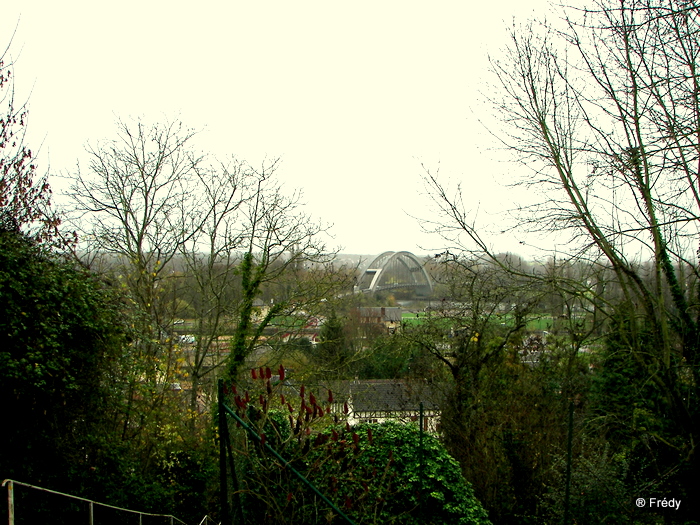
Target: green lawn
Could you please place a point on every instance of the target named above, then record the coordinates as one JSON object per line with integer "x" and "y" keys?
{"x": 534, "y": 324}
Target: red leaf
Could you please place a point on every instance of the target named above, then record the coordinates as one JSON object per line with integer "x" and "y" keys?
{"x": 289, "y": 497}
{"x": 268, "y": 372}
{"x": 330, "y": 396}
{"x": 345, "y": 408}
{"x": 369, "y": 435}
{"x": 282, "y": 401}
{"x": 312, "y": 398}
{"x": 281, "y": 373}
{"x": 253, "y": 374}
{"x": 262, "y": 439}
{"x": 301, "y": 391}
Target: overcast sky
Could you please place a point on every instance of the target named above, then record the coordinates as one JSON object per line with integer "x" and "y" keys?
{"x": 353, "y": 96}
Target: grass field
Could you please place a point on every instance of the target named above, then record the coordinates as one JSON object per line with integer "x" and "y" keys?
{"x": 534, "y": 324}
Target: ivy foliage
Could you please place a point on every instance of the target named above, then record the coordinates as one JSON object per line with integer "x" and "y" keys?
{"x": 388, "y": 473}
{"x": 372, "y": 472}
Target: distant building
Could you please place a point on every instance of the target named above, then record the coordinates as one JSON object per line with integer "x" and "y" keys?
{"x": 260, "y": 310}
{"x": 385, "y": 316}
{"x": 380, "y": 400}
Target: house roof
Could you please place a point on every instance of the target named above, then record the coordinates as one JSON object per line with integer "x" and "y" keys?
{"x": 386, "y": 395}
{"x": 385, "y": 313}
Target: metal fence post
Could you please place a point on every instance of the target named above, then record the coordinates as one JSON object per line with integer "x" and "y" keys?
{"x": 225, "y": 516}
{"x": 10, "y": 503}
{"x": 569, "y": 446}
{"x": 420, "y": 440}
{"x": 92, "y": 516}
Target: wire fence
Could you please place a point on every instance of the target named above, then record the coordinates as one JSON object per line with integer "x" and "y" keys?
{"x": 28, "y": 504}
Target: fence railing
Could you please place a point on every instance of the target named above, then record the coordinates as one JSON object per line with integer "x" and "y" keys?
{"x": 226, "y": 457}
{"x": 11, "y": 484}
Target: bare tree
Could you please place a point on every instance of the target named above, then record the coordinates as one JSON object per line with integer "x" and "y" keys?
{"x": 605, "y": 111}
{"x": 284, "y": 253}
{"x": 136, "y": 202}
{"x": 136, "y": 209}
{"x": 210, "y": 283}
{"x": 190, "y": 238}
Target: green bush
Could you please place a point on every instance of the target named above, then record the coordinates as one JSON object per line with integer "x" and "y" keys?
{"x": 379, "y": 473}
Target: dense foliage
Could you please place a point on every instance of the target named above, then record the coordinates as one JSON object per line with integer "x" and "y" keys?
{"x": 60, "y": 326}
{"x": 374, "y": 473}
{"x": 62, "y": 365}
{"x": 389, "y": 473}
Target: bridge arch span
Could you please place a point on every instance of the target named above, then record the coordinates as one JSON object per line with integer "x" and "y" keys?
{"x": 394, "y": 270}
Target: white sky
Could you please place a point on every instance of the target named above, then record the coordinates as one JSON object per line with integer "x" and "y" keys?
{"x": 353, "y": 96}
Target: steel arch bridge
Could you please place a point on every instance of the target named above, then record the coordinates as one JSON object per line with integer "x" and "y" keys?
{"x": 394, "y": 270}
